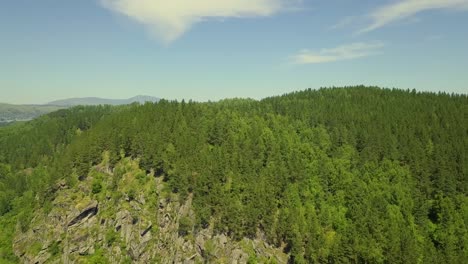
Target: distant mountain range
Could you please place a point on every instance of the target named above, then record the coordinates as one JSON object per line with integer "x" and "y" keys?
{"x": 103, "y": 101}
{"x": 10, "y": 112}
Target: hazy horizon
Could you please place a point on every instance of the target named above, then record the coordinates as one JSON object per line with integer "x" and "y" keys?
{"x": 208, "y": 99}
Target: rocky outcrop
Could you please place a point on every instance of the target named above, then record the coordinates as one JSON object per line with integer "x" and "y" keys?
{"x": 83, "y": 225}
{"x": 89, "y": 211}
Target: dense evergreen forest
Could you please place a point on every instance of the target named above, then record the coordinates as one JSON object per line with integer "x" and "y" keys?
{"x": 337, "y": 175}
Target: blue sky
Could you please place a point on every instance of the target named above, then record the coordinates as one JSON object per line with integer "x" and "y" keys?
{"x": 213, "y": 49}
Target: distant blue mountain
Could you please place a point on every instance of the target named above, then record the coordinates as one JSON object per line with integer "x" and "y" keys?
{"x": 103, "y": 101}
{"x": 11, "y": 113}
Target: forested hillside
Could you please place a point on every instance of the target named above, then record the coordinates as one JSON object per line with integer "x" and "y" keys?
{"x": 339, "y": 175}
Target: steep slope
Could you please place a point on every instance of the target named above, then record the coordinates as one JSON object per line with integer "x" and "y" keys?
{"x": 124, "y": 216}
{"x": 344, "y": 175}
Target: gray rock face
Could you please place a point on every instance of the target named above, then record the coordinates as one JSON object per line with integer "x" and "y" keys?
{"x": 88, "y": 212}
{"x": 83, "y": 225}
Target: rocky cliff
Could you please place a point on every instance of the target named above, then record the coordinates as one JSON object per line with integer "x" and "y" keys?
{"x": 125, "y": 215}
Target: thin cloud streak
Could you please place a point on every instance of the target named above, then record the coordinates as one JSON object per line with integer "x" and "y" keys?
{"x": 170, "y": 19}
{"x": 346, "y": 21}
{"x": 404, "y": 9}
{"x": 344, "y": 52}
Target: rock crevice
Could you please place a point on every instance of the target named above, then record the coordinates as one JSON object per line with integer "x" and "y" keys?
{"x": 90, "y": 211}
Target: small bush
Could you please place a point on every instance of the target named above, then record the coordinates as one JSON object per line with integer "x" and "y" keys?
{"x": 185, "y": 226}
{"x": 98, "y": 258}
{"x": 96, "y": 187}
{"x": 54, "y": 249}
{"x": 35, "y": 248}
{"x": 111, "y": 237}
{"x": 131, "y": 194}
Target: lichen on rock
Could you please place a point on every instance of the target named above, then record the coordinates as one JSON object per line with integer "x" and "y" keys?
{"x": 119, "y": 226}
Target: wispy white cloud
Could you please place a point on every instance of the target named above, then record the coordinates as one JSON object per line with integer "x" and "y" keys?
{"x": 344, "y": 52}
{"x": 169, "y": 19}
{"x": 344, "y": 22}
{"x": 407, "y": 8}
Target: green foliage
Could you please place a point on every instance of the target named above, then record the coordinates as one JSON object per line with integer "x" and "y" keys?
{"x": 23, "y": 207}
{"x": 209, "y": 253}
{"x": 185, "y": 226}
{"x": 341, "y": 175}
{"x": 98, "y": 257}
{"x": 54, "y": 249}
{"x": 111, "y": 237}
{"x": 96, "y": 186}
{"x": 131, "y": 194}
{"x": 35, "y": 248}
{"x": 7, "y": 229}
{"x": 252, "y": 260}
{"x": 127, "y": 260}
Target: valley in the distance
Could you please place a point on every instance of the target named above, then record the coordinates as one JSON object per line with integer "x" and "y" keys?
{"x": 18, "y": 113}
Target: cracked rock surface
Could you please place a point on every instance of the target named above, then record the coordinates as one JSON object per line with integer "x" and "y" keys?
{"x": 129, "y": 221}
